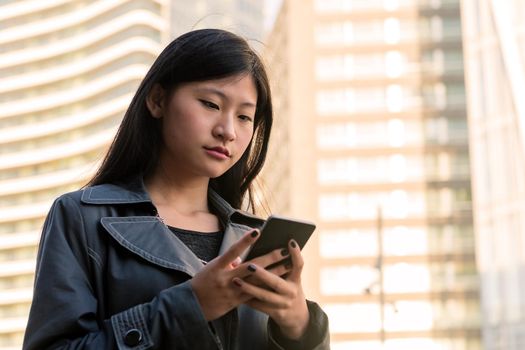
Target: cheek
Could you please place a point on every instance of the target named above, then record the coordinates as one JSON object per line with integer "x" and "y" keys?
{"x": 183, "y": 125}
{"x": 243, "y": 141}
{"x": 245, "y": 138}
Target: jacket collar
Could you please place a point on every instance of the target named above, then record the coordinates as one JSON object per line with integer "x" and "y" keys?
{"x": 148, "y": 237}
{"x": 130, "y": 192}
{"x": 134, "y": 192}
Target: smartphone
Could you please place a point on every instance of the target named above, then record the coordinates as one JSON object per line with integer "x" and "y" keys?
{"x": 277, "y": 232}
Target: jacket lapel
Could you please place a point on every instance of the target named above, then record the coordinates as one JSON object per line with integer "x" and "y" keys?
{"x": 150, "y": 239}
{"x": 232, "y": 233}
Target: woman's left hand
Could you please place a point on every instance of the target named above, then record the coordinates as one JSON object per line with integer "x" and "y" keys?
{"x": 280, "y": 298}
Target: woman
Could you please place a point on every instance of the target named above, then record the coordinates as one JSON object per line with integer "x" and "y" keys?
{"x": 148, "y": 255}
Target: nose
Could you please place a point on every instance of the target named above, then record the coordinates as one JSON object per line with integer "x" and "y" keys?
{"x": 225, "y": 128}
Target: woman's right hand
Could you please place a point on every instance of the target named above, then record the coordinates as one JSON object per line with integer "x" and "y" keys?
{"x": 213, "y": 284}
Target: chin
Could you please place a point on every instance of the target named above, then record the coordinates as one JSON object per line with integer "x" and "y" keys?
{"x": 216, "y": 173}
{"x": 213, "y": 171}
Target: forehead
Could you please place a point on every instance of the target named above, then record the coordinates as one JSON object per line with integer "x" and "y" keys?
{"x": 238, "y": 87}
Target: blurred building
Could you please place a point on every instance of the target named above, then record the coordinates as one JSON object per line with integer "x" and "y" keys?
{"x": 68, "y": 70}
{"x": 495, "y": 62}
{"x": 371, "y": 142}
{"x": 244, "y": 17}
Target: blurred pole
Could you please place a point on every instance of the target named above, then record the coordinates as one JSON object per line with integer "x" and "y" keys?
{"x": 380, "y": 270}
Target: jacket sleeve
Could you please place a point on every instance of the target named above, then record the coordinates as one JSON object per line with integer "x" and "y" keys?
{"x": 64, "y": 310}
{"x": 316, "y": 336}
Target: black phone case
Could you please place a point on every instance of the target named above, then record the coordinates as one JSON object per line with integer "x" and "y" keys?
{"x": 277, "y": 232}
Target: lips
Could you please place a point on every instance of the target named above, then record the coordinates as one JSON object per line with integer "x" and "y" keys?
{"x": 219, "y": 149}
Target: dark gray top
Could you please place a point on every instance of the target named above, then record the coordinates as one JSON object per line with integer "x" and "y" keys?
{"x": 205, "y": 245}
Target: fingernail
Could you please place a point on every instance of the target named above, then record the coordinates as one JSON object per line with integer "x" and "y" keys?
{"x": 285, "y": 252}
{"x": 254, "y": 233}
{"x": 237, "y": 282}
{"x": 252, "y": 268}
{"x": 293, "y": 244}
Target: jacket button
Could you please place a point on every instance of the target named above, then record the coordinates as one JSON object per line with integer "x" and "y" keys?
{"x": 132, "y": 337}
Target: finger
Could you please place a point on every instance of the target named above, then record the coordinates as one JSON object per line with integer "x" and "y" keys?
{"x": 267, "y": 280}
{"x": 262, "y": 306}
{"x": 297, "y": 261}
{"x": 236, "y": 262}
{"x": 268, "y": 297}
{"x": 238, "y": 248}
{"x": 242, "y": 297}
{"x": 281, "y": 269}
{"x": 275, "y": 257}
{"x": 271, "y": 258}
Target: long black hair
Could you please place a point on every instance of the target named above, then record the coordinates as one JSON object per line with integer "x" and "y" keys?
{"x": 199, "y": 55}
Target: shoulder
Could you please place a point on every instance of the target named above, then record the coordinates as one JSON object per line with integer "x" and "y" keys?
{"x": 88, "y": 195}
{"x": 78, "y": 213}
{"x": 68, "y": 200}
{"x": 114, "y": 194}
{"x": 97, "y": 196}
{"x": 108, "y": 194}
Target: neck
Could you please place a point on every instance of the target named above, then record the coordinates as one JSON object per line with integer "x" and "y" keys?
{"x": 185, "y": 195}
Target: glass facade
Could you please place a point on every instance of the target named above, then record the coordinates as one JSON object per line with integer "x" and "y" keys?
{"x": 495, "y": 61}
{"x": 68, "y": 70}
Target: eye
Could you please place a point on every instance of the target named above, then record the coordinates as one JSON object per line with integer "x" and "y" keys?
{"x": 209, "y": 104}
{"x": 245, "y": 118}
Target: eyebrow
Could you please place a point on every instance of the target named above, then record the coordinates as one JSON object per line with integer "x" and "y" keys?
{"x": 223, "y": 95}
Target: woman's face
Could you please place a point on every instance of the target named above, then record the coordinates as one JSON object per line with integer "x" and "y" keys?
{"x": 207, "y": 126}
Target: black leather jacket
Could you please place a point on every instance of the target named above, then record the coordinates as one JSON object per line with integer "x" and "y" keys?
{"x": 110, "y": 275}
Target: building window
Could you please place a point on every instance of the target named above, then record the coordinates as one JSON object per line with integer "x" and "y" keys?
{"x": 366, "y": 32}
{"x": 335, "y": 206}
{"x": 436, "y": 28}
{"x": 351, "y": 318}
{"x": 397, "y": 168}
{"x": 333, "y": 5}
{"x": 455, "y": 95}
{"x": 409, "y": 316}
{"x": 391, "y": 5}
{"x": 344, "y": 280}
{"x": 358, "y": 345}
{"x": 393, "y": 133}
{"x": 348, "y": 243}
{"x": 335, "y": 101}
{"x": 394, "y": 98}
{"x": 368, "y": 65}
{"x": 395, "y": 64}
{"x": 341, "y": 135}
{"x": 392, "y": 31}
{"x": 370, "y": 100}
{"x": 435, "y": 96}
{"x": 334, "y": 67}
{"x": 334, "y": 33}
{"x": 323, "y": 6}
{"x": 337, "y": 171}
{"x": 396, "y": 204}
{"x": 403, "y": 240}
{"x": 406, "y": 278}
{"x": 437, "y": 130}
